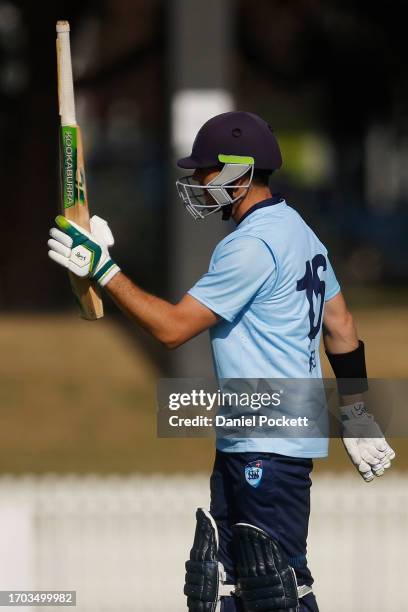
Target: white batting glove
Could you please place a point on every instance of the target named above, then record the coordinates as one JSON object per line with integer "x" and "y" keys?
{"x": 84, "y": 253}
{"x": 371, "y": 454}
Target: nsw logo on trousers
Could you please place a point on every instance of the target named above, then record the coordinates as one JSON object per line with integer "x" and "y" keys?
{"x": 253, "y": 473}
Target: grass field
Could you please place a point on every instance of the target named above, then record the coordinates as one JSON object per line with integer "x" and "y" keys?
{"x": 70, "y": 405}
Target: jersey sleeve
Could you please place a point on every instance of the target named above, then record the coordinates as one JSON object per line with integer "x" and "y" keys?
{"x": 239, "y": 269}
{"x": 332, "y": 284}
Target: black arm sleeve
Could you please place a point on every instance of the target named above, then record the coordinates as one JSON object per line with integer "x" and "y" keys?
{"x": 350, "y": 370}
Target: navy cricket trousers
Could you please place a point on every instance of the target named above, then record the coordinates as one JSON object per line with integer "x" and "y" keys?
{"x": 277, "y": 500}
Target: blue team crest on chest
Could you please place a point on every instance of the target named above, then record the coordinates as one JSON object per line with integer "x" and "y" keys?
{"x": 253, "y": 473}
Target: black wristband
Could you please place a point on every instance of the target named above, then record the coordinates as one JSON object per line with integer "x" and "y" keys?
{"x": 350, "y": 370}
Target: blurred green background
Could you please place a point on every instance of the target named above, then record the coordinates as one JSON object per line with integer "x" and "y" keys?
{"x": 74, "y": 406}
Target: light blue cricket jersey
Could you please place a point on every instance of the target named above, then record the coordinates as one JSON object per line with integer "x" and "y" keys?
{"x": 268, "y": 280}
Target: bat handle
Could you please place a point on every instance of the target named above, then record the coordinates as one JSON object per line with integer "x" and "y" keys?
{"x": 63, "y": 26}
{"x": 65, "y": 79}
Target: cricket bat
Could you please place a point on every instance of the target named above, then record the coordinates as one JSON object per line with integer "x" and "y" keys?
{"x": 73, "y": 188}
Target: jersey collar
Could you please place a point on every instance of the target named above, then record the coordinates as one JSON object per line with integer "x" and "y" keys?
{"x": 276, "y": 199}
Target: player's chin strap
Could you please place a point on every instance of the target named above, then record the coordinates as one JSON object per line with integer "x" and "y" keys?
{"x": 227, "y": 212}
{"x": 265, "y": 579}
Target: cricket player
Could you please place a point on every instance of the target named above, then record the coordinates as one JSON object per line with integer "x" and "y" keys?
{"x": 269, "y": 291}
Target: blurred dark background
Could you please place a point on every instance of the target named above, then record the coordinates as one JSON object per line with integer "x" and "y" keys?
{"x": 329, "y": 76}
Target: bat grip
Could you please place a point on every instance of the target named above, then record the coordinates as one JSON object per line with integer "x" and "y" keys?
{"x": 65, "y": 79}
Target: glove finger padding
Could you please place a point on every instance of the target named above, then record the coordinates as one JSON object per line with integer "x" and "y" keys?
{"x": 59, "y": 259}
{"x": 266, "y": 582}
{"x": 378, "y": 469}
{"x": 389, "y": 456}
{"x": 366, "y": 471}
{"x": 61, "y": 237}
{"x": 55, "y": 245}
{"x": 390, "y": 453}
{"x": 381, "y": 446}
{"x": 369, "y": 455}
{"x": 352, "y": 450}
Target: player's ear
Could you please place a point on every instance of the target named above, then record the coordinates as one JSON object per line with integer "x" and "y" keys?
{"x": 243, "y": 180}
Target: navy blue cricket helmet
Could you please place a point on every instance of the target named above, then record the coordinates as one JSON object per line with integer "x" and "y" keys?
{"x": 234, "y": 133}
{"x": 238, "y": 143}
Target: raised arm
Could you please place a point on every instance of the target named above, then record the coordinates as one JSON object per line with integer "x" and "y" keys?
{"x": 171, "y": 324}
{"x": 86, "y": 254}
